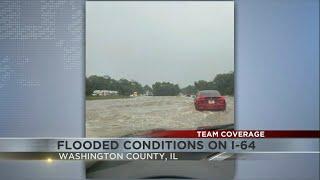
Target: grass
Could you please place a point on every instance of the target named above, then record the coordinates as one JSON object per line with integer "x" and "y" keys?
{"x": 105, "y": 97}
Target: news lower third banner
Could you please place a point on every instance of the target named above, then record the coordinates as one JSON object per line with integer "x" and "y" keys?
{"x": 172, "y": 145}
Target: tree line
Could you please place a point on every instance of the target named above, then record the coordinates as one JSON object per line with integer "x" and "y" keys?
{"x": 224, "y": 83}
{"x": 123, "y": 86}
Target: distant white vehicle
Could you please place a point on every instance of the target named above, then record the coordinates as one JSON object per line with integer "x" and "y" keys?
{"x": 104, "y": 93}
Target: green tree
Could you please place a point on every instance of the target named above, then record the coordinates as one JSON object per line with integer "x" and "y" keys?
{"x": 189, "y": 90}
{"x": 165, "y": 89}
{"x": 201, "y": 85}
{"x": 147, "y": 88}
{"x": 224, "y": 83}
{"x": 89, "y": 87}
{"x": 127, "y": 87}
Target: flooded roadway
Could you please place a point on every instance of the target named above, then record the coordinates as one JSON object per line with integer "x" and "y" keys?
{"x": 119, "y": 117}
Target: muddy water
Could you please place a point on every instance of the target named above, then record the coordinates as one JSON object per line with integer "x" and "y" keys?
{"x": 118, "y": 117}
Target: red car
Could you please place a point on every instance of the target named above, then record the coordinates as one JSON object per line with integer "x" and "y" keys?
{"x": 210, "y": 100}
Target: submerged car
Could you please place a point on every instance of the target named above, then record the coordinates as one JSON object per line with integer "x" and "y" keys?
{"x": 210, "y": 100}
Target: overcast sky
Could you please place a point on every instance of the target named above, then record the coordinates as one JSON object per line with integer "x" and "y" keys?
{"x": 179, "y": 42}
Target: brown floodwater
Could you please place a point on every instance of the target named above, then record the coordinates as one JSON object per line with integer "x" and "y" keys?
{"x": 119, "y": 117}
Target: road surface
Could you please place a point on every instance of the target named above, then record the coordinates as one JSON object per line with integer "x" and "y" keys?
{"x": 119, "y": 117}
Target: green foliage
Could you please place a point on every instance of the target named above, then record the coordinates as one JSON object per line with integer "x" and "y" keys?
{"x": 89, "y": 87}
{"x": 189, "y": 90}
{"x": 203, "y": 85}
{"x": 165, "y": 89}
{"x": 147, "y": 88}
{"x": 224, "y": 83}
{"x": 123, "y": 86}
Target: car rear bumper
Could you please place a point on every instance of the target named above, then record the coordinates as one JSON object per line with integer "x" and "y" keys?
{"x": 210, "y": 107}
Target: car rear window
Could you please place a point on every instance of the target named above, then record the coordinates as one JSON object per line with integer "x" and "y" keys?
{"x": 210, "y": 93}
